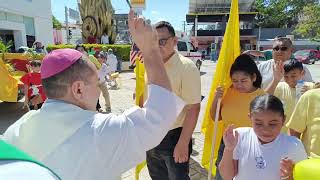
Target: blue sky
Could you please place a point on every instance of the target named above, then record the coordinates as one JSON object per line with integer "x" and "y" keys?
{"x": 173, "y": 11}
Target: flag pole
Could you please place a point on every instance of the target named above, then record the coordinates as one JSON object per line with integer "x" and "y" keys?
{"x": 216, "y": 119}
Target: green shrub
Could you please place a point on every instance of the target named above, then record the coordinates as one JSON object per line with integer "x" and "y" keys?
{"x": 61, "y": 46}
{"x": 122, "y": 51}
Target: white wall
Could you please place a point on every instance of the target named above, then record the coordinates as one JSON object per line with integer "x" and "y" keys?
{"x": 19, "y": 38}
{"x": 40, "y": 10}
{"x": 44, "y": 31}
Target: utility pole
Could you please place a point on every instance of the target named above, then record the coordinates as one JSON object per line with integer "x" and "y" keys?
{"x": 259, "y": 38}
{"x": 184, "y": 26}
{"x": 67, "y": 24}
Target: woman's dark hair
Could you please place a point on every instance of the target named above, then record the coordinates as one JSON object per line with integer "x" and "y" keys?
{"x": 267, "y": 102}
{"x": 244, "y": 63}
{"x": 80, "y": 46}
{"x": 35, "y": 63}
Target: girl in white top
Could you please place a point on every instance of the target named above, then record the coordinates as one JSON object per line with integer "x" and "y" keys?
{"x": 261, "y": 152}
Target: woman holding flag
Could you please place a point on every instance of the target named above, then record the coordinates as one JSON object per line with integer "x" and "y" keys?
{"x": 246, "y": 85}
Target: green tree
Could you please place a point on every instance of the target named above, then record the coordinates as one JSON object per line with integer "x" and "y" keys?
{"x": 4, "y": 48}
{"x": 309, "y": 23}
{"x": 55, "y": 23}
{"x": 280, "y": 13}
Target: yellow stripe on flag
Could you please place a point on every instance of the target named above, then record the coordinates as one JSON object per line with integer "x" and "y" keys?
{"x": 8, "y": 85}
{"x": 140, "y": 85}
{"x": 139, "y": 168}
{"x": 230, "y": 50}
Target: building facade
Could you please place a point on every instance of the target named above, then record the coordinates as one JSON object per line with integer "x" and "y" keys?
{"x": 209, "y": 20}
{"x": 26, "y": 21}
{"x": 120, "y": 21}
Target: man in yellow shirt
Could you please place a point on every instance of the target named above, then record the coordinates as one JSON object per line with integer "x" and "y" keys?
{"x": 170, "y": 159}
{"x": 286, "y": 91}
{"x": 305, "y": 120}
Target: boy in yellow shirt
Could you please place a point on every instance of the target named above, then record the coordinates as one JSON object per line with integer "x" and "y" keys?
{"x": 286, "y": 91}
{"x": 305, "y": 120}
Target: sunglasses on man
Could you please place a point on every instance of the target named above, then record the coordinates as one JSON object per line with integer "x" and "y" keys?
{"x": 277, "y": 48}
{"x": 163, "y": 41}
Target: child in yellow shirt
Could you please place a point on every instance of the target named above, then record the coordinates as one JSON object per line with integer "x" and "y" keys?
{"x": 246, "y": 85}
{"x": 286, "y": 91}
{"x": 305, "y": 120}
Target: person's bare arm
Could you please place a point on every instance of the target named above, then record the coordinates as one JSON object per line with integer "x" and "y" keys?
{"x": 181, "y": 151}
{"x": 149, "y": 46}
{"x": 26, "y": 98}
{"x": 278, "y": 73}
{"x": 228, "y": 167}
{"x": 272, "y": 87}
{"x": 218, "y": 95}
{"x": 294, "y": 133}
{"x": 286, "y": 169}
{"x": 254, "y": 53}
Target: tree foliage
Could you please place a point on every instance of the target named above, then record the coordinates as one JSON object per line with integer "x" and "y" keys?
{"x": 280, "y": 13}
{"x": 55, "y": 23}
{"x": 5, "y": 47}
{"x": 309, "y": 24}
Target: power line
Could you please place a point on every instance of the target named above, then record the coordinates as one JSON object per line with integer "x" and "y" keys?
{"x": 129, "y": 4}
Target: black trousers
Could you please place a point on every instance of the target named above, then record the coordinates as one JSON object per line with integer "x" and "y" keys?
{"x": 160, "y": 160}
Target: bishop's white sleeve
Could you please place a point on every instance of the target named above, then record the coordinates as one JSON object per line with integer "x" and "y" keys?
{"x": 128, "y": 136}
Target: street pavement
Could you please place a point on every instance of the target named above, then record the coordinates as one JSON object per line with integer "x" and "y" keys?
{"x": 122, "y": 99}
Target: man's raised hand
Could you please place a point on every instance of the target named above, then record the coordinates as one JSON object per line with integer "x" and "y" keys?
{"x": 143, "y": 34}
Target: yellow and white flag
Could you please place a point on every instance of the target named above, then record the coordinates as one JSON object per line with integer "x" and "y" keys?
{"x": 8, "y": 85}
{"x": 230, "y": 50}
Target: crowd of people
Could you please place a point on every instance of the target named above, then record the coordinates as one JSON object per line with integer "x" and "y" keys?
{"x": 269, "y": 125}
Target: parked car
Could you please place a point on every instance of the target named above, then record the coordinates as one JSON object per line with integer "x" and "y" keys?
{"x": 317, "y": 53}
{"x": 186, "y": 48}
{"x": 306, "y": 56}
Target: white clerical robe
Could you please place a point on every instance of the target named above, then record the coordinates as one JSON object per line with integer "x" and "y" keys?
{"x": 17, "y": 170}
{"x": 78, "y": 144}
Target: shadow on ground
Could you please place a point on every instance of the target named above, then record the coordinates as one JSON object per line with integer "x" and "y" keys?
{"x": 9, "y": 113}
{"x": 196, "y": 171}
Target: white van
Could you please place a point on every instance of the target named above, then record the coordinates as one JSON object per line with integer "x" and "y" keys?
{"x": 187, "y": 49}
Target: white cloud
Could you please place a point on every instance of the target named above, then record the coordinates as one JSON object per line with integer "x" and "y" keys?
{"x": 162, "y": 19}
{"x": 154, "y": 12}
